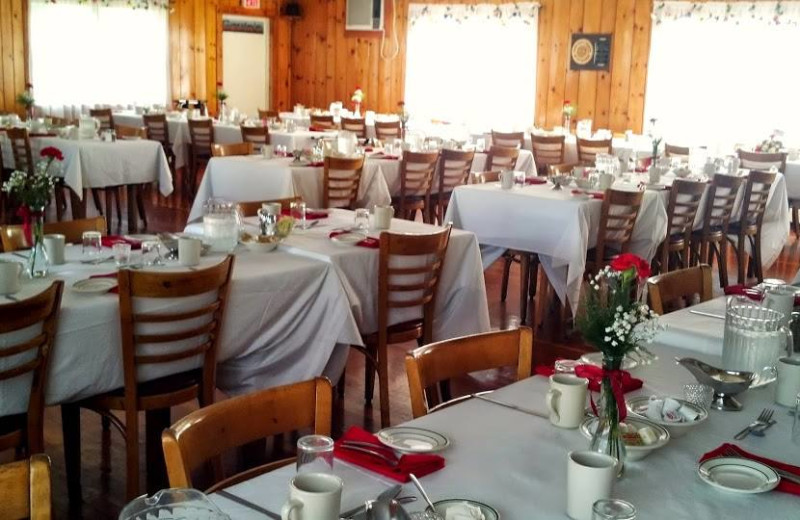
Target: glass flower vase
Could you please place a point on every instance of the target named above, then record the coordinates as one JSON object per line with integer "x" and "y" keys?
{"x": 607, "y": 437}
{"x": 37, "y": 259}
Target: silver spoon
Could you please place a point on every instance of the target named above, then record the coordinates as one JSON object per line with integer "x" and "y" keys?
{"x": 434, "y": 514}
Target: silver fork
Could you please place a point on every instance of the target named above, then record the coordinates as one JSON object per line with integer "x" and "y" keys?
{"x": 730, "y": 452}
{"x": 762, "y": 419}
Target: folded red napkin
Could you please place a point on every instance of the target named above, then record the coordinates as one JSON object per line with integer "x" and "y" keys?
{"x": 381, "y": 155}
{"x": 310, "y": 213}
{"x": 535, "y": 180}
{"x": 313, "y": 128}
{"x": 115, "y": 290}
{"x": 595, "y": 375}
{"x": 110, "y": 240}
{"x": 744, "y": 290}
{"x": 368, "y": 148}
{"x": 317, "y": 164}
{"x": 785, "y": 485}
{"x": 594, "y": 195}
{"x": 369, "y": 242}
{"x": 418, "y": 464}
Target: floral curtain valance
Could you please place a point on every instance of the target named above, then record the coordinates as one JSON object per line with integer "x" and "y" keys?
{"x": 133, "y": 4}
{"x": 525, "y": 12}
{"x": 774, "y": 13}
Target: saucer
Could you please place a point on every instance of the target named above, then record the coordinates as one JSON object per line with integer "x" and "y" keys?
{"x": 407, "y": 439}
{"x": 738, "y": 475}
{"x": 94, "y": 285}
{"x": 596, "y": 359}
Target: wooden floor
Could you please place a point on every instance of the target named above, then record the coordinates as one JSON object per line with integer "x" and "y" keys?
{"x": 104, "y": 489}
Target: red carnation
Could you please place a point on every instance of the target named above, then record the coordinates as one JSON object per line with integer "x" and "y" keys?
{"x": 625, "y": 261}
{"x": 566, "y": 102}
{"x": 51, "y": 152}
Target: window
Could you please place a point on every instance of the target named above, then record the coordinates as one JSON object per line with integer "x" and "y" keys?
{"x": 722, "y": 74}
{"x": 107, "y": 53}
{"x": 472, "y": 64}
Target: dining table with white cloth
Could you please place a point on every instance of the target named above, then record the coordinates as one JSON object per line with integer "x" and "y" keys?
{"x": 287, "y": 319}
{"x": 517, "y": 463}
{"x": 792, "y": 174}
{"x": 177, "y": 133}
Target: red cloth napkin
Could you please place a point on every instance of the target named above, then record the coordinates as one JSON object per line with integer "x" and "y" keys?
{"x": 110, "y": 240}
{"x": 310, "y": 214}
{"x": 418, "y": 464}
{"x": 381, "y": 155}
{"x": 785, "y": 485}
{"x": 744, "y": 290}
{"x": 595, "y": 375}
{"x": 368, "y": 148}
{"x": 369, "y": 242}
{"x": 594, "y": 195}
{"x": 316, "y": 164}
{"x": 115, "y": 290}
{"x": 535, "y": 180}
{"x": 313, "y": 128}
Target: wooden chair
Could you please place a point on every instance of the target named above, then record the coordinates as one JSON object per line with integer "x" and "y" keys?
{"x": 547, "y": 150}
{"x": 501, "y": 158}
{"x": 589, "y": 148}
{"x": 205, "y": 434}
{"x": 21, "y": 149}
{"x": 679, "y": 289}
{"x": 508, "y": 139}
{"x": 26, "y": 489}
{"x": 341, "y": 180}
{"x": 484, "y": 177}
{"x": 561, "y": 169}
{"x": 24, "y": 432}
{"x": 127, "y": 133}
{"x": 323, "y": 122}
{"x": 617, "y": 219}
{"x": 158, "y": 130}
{"x": 709, "y": 241}
{"x": 201, "y": 137}
{"x": 402, "y": 288}
{"x": 182, "y": 342}
{"x": 250, "y": 209}
{"x": 268, "y": 114}
{"x": 416, "y": 178}
{"x": 430, "y": 368}
{"x": 454, "y": 169}
{"x": 356, "y": 125}
{"x": 231, "y": 150}
{"x": 762, "y": 161}
{"x": 747, "y": 229}
{"x": 388, "y": 130}
{"x": 105, "y": 117}
{"x": 684, "y": 202}
{"x": 257, "y": 135}
{"x": 14, "y": 239}
{"x": 671, "y": 150}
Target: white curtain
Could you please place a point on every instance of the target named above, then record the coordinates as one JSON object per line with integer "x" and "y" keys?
{"x": 87, "y": 54}
{"x": 722, "y": 74}
{"x": 473, "y": 65}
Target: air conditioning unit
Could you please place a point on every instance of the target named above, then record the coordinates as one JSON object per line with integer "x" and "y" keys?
{"x": 364, "y": 15}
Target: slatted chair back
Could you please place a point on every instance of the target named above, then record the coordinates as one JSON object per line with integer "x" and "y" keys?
{"x": 754, "y": 200}
{"x": 547, "y": 150}
{"x": 431, "y": 365}
{"x": 682, "y": 208}
{"x": 231, "y": 150}
{"x": 104, "y": 116}
{"x": 508, "y": 139}
{"x": 201, "y": 135}
{"x": 13, "y": 237}
{"x": 387, "y": 130}
{"x": 25, "y": 489}
{"x": 157, "y": 128}
{"x": 762, "y": 161}
{"x": 206, "y": 434}
{"x": 25, "y": 355}
{"x": 324, "y": 122}
{"x": 268, "y": 114}
{"x": 719, "y": 204}
{"x": 21, "y": 149}
{"x": 127, "y": 133}
{"x": 454, "y": 169}
{"x": 501, "y": 158}
{"x": 356, "y": 125}
{"x": 589, "y": 148}
{"x": 250, "y": 209}
{"x": 679, "y": 289}
{"x": 561, "y": 169}
{"x": 258, "y": 135}
{"x": 341, "y": 181}
{"x": 617, "y": 219}
{"x": 681, "y": 152}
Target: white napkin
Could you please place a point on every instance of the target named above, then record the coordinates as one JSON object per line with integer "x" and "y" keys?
{"x": 669, "y": 410}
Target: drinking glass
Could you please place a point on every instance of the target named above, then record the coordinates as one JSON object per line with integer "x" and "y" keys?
{"x": 298, "y": 211}
{"x": 698, "y": 394}
{"x": 315, "y": 454}
{"x": 796, "y": 424}
{"x": 151, "y": 253}
{"x": 122, "y": 253}
{"x": 92, "y": 245}
{"x": 361, "y": 219}
{"x": 566, "y": 366}
{"x": 613, "y": 509}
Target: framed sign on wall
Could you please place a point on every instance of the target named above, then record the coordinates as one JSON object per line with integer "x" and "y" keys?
{"x": 590, "y": 52}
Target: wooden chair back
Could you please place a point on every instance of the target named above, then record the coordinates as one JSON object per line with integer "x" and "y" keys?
{"x": 157, "y": 128}
{"x": 501, "y": 158}
{"x": 250, "y": 209}
{"x": 684, "y": 202}
{"x": 125, "y": 132}
{"x": 324, "y": 122}
{"x": 26, "y": 489}
{"x": 356, "y": 125}
{"x": 341, "y": 181}
{"x": 104, "y": 116}
{"x": 617, "y": 219}
{"x": 13, "y": 238}
{"x": 268, "y": 114}
{"x": 589, "y": 148}
{"x": 21, "y": 149}
{"x": 258, "y": 135}
{"x": 230, "y": 150}
{"x": 387, "y": 130}
{"x": 671, "y": 150}
{"x": 547, "y": 150}
{"x": 29, "y": 358}
{"x": 429, "y": 366}
{"x": 719, "y": 205}
{"x": 201, "y": 135}
{"x": 150, "y": 338}
{"x": 754, "y": 200}
{"x": 679, "y": 289}
{"x": 484, "y": 177}
{"x": 508, "y": 139}
{"x": 454, "y": 169}
{"x": 207, "y": 433}
{"x": 762, "y": 161}
{"x": 561, "y": 169}
{"x": 416, "y": 173}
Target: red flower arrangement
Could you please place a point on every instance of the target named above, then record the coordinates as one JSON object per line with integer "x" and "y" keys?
{"x": 625, "y": 261}
{"x": 51, "y": 152}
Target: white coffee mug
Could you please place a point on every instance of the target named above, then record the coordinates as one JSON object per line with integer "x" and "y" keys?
{"x": 788, "y": 385}
{"x": 781, "y": 298}
{"x": 605, "y": 181}
{"x": 590, "y": 477}
{"x": 507, "y": 179}
{"x": 566, "y": 400}
{"x": 10, "y": 272}
{"x": 382, "y": 217}
{"x": 54, "y": 247}
{"x": 189, "y": 251}
{"x": 267, "y": 151}
{"x": 313, "y": 496}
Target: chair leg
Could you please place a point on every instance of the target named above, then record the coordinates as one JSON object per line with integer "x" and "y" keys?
{"x": 524, "y": 274}
{"x": 507, "y": 257}
{"x": 61, "y": 202}
{"x": 109, "y": 194}
{"x": 156, "y": 421}
{"x": 133, "y": 217}
{"x": 369, "y": 378}
{"x": 131, "y": 454}
{"x": 71, "y": 430}
{"x": 140, "y": 193}
{"x": 741, "y": 260}
{"x": 759, "y": 266}
{"x": 383, "y": 386}
{"x": 97, "y": 203}
{"x": 722, "y": 262}
{"x": 118, "y": 200}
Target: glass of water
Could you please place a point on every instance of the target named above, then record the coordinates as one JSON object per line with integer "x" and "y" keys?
{"x": 613, "y": 509}
{"x": 698, "y": 394}
{"x": 315, "y": 454}
{"x": 361, "y": 220}
{"x": 796, "y": 425}
{"x": 122, "y": 253}
{"x": 92, "y": 245}
{"x": 298, "y": 211}
{"x": 151, "y": 253}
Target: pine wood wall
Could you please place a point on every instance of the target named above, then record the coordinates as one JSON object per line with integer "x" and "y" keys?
{"x": 13, "y": 45}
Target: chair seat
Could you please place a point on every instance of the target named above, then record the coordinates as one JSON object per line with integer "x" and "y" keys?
{"x": 751, "y": 228}
{"x": 399, "y": 332}
{"x": 11, "y": 429}
{"x": 714, "y": 234}
{"x": 153, "y": 395}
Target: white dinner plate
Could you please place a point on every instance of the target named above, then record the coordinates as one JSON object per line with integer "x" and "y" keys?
{"x": 738, "y": 475}
{"x": 94, "y": 285}
{"x": 406, "y": 439}
{"x": 489, "y": 513}
{"x": 348, "y": 239}
{"x": 141, "y": 237}
{"x": 596, "y": 359}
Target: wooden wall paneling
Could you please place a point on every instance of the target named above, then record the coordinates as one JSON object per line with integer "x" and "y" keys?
{"x": 587, "y": 82}
{"x": 198, "y": 48}
{"x": 603, "y": 89}
{"x": 331, "y": 43}
{"x": 19, "y": 20}
{"x": 7, "y": 58}
{"x": 341, "y": 55}
{"x": 640, "y": 53}
{"x": 543, "y": 56}
{"x": 572, "y": 81}
{"x": 559, "y": 49}
{"x": 281, "y": 74}
{"x": 621, "y": 75}
{"x": 185, "y": 11}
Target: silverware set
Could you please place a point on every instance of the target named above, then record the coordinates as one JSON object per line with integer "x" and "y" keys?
{"x": 761, "y": 423}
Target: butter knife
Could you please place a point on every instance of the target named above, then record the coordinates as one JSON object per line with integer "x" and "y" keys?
{"x": 385, "y": 495}
{"x": 511, "y": 406}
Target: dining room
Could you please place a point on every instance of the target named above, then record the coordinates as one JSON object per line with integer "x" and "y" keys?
{"x": 399, "y": 259}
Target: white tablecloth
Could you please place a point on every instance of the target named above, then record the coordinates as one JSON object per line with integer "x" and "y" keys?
{"x": 178, "y": 133}
{"x": 297, "y": 140}
{"x": 517, "y": 463}
{"x": 793, "y": 179}
{"x": 285, "y": 316}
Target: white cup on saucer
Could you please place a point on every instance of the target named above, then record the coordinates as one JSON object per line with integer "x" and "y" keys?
{"x": 788, "y": 382}
{"x": 566, "y": 400}
{"x": 189, "y": 251}
{"x": 507, "y": 179}
{"x": 382, "y": 217}
{"x": 54, "y": 245}
{"x": 10, "y": 272}
{"x": 313, "y": 496}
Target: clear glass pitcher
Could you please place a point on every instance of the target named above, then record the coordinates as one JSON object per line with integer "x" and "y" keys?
{"x": 221, "y": 225}
{"x": 755, "y": 337}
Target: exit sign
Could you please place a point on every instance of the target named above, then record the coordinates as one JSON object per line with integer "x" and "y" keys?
{"x": 251, "y": 4}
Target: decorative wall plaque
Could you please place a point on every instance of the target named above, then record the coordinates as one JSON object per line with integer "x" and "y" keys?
{"x": 590, "y": 52}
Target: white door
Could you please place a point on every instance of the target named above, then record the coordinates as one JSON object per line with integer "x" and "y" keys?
{"x": 245, "y": 63}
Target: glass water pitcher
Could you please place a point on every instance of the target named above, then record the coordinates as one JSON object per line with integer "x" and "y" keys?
{"x": 221, "y": 225}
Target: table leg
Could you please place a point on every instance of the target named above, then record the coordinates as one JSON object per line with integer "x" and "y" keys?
{"x": 133, "y": 214}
